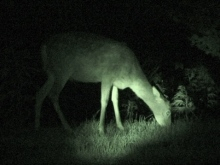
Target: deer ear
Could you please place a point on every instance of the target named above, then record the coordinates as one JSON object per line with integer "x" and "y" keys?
{"x": 157, "y": 95}
{"x": 156, "y": 92}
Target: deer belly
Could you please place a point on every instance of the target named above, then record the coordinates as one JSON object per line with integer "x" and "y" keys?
{"x": 121, "y": 83}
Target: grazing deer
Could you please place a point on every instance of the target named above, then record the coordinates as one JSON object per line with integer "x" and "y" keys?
{"x": 90, "y": 58}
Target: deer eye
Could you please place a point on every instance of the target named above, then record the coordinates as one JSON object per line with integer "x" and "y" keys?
{"x": 168, "y": 113}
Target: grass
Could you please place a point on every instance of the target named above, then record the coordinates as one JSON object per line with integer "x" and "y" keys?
{"x": 186, "y": 142}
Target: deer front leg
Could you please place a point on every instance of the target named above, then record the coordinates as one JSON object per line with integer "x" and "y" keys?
{"x": 105, "y": 90}
{"x": 116, "y": 109}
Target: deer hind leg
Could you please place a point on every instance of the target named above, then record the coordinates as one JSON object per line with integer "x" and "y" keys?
{"x": 116, "y": 109}
{"x": 105, "y": 91}
{"x": 40, "y": 96}
{"x": 54, "y": 97}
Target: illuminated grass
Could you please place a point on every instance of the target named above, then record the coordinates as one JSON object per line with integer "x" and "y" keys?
{"x": 142, "y": 142}
{"x": 139, "y": 138}
{"x": 89, "y": 146}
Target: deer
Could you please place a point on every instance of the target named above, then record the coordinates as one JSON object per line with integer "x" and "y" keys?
{"x": 90, "y": 58}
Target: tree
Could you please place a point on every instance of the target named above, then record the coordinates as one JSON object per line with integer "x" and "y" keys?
{"x": 203, "y": 20}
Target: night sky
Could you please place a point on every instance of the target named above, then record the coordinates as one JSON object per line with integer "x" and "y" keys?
{"x": 143, "y": 26}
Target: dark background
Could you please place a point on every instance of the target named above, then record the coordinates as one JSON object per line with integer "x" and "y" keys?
{"x": 144, "y": 25}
